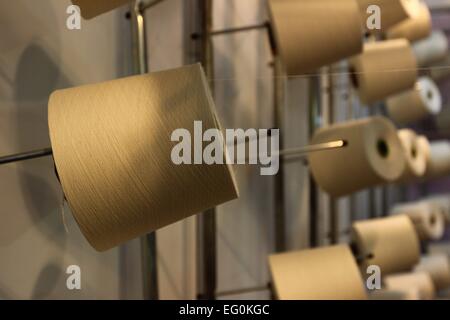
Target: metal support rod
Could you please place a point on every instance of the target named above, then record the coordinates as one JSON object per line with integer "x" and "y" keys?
{"x": 372, "y": 192}
{"x": 327, "y": 106}
{"x": 207, "y": 224}
{"x": 139, "y": 40}
{"x": 288, "y": 153}
{"x": 313, "y": 148}
{"x": 264, "y": 25}
{"x": 278, "y": 101}
{"x": 26, "y": 156}
{"x": 385, "y": 201}
{"x": 350, "y": 116}
{"x": 313, "y": 113}
{"x": 148, "y": 242}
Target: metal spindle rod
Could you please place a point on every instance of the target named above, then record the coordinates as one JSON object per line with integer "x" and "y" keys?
{"x": 264, "y": 25}
{"x": 313, "y": 114}
{"x": 289, "y": 153}
{"x": 207, "y": 222}
{"x": 26, "y": 156}
{"x": 299, "y": 152}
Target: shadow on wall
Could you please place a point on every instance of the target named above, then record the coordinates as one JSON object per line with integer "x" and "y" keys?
{"x": 32, "y": 74}
{"x": 37, "y": 76}
{"x": 47, "y": 281}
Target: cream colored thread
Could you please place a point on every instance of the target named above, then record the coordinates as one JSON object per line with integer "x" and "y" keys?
{"x": 111, "y": 144}
{"x": 336, "y": 39}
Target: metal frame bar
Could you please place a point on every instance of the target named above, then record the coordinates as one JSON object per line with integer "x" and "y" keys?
{"x": 313, "y": 114}
{"x": 280, "y": 208}
{"x": 26, "y": 156}
{"x": 286, "y": 153}
{"x": 264, "y": 25}
{"x": 206, "y": 222}
{"x": 148, "y": 243}
{"x": 328, "y": 95}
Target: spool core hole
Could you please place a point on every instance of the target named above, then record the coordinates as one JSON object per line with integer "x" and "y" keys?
{"x": 429, "y": 95}
{"x": 383, "y": 148}
{"x": 433, "y": 219}
{"x": 414, "y": 152}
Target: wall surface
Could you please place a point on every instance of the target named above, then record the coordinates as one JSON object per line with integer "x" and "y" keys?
{"x": 38, "y": 239}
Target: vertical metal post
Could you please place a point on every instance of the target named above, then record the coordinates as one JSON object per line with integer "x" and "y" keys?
{"x": 278, "y": 101}
{"x": 313, "y": 114}
{"x": 373, "y": 212}
{"x": 148, "y": 242}
{"x": 372, "y": 203}
{"x": 206, "y": 222}
{"x": 139, "y": 39}
{"x": 209, "y": 217}
{"x": 350, "y": 116}
{"x": 328, "y": 102}
{"x": 385, "y": 201}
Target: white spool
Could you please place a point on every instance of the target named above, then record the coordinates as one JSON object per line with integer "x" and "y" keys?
{"x": 427, "y": 218}
{"x": 438, "y": 163}
{"x": 373, "y": 156}
{"x": 383, "y": 69}
{"x": 440, "y": 71}
{"x": 328, "y": 273}
{"x": 390, "y": 243}
{"x": 112, "y": 148}
{"x": 417, "y": 27}
{"x": 422, "y": 101}
{"x": 419, "y": 280}
{"x": 415, "y": 155}
{"x": 308, "y": 39}
{"x": 432, "y": 49}
{"x": 438, "y": 267}
{"x": 443, "y": 202}
{"x": 403, "y": 294}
